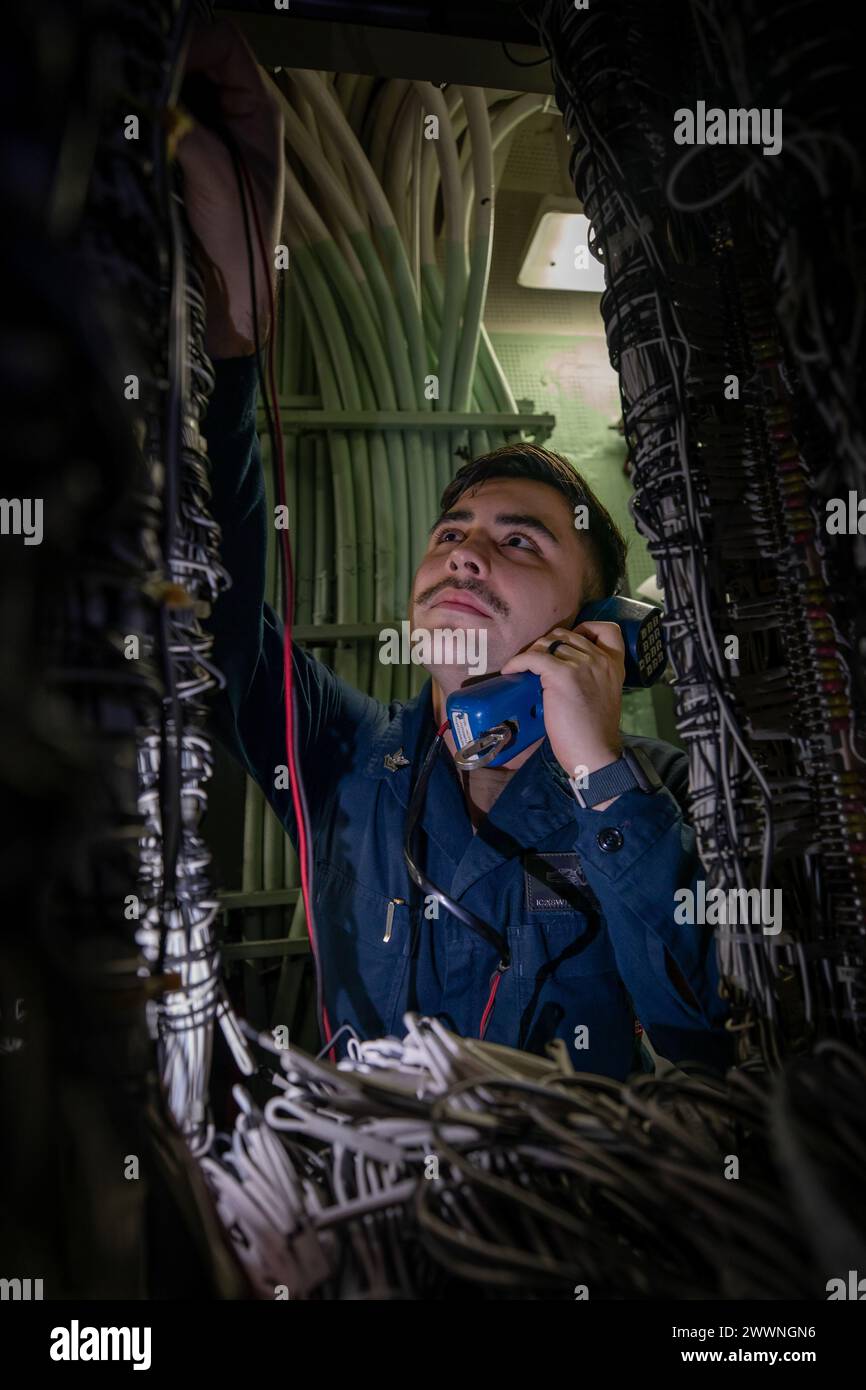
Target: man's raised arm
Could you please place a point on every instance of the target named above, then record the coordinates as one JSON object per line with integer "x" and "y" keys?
{"x": 249, "y": 713}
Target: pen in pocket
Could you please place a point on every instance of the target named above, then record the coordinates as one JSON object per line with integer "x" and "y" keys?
{"x": 389, "y": 916}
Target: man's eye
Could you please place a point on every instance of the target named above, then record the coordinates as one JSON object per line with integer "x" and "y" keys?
{"x": 519, "y": 536}
{"x": 516, "y": 541}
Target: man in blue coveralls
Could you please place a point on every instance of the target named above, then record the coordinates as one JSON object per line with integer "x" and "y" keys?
{"x": 583, "y": 895}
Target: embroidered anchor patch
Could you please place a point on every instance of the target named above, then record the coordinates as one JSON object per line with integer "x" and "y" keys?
{"x": 394, "y": 761}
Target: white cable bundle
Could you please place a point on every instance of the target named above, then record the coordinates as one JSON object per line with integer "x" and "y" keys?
{"x": 357, "y": 1156}
{"x": 184, "y": 1016}
{"x": 261, "y": 1205}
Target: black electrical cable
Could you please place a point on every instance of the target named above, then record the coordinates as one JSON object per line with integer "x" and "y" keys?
{"x": 231, "y": 144}
{"x": 416, "y": 801}
{"x": 517, "y": 62}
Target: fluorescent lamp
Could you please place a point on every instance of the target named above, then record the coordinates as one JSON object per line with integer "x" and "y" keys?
{"x": 557, "y": 256}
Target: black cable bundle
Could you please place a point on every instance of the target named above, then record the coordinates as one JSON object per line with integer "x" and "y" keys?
{"x": 85, "y": 253}
{"x": 723, "y": 493}
{"x": 809, "y": 204}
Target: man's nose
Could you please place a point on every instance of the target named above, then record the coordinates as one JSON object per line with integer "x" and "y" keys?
{"x": 468, "y": 558}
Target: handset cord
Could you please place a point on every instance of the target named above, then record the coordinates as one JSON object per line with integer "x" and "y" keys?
{"x": 475, "y": 924}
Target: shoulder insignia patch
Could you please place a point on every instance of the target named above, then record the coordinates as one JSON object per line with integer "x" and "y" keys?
{"x": 394, "y": 761}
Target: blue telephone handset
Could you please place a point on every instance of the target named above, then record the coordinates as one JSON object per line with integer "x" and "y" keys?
{"x": 494, "y": 720}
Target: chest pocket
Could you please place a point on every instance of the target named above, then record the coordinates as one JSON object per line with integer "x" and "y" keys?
{"x": 565, "y": 933}
{"x": 364, "y": 950}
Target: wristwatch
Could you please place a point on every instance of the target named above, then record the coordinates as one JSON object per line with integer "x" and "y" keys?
{"x": 632, "y": 769}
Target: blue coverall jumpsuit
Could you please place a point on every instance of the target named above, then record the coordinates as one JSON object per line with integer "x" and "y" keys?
{"x": 589, "y": 927}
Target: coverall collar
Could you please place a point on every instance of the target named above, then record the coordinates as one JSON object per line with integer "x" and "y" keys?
{"x": 536, "y": 801}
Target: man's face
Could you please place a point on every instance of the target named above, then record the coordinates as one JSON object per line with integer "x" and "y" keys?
{"x": 506, "y": 561}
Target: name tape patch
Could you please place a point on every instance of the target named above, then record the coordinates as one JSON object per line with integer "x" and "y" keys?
{"x": 556, "y": 883}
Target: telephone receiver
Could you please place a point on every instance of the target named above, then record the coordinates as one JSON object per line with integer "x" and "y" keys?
{"x": 494, "y": 720}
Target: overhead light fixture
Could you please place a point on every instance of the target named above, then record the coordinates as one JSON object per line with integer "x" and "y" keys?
{"x": 557, "y": 255}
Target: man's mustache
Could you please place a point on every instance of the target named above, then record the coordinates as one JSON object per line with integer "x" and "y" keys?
{"x": 471, "y": 586}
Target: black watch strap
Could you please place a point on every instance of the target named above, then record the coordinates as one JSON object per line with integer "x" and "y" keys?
{"x": 632, "y": 769}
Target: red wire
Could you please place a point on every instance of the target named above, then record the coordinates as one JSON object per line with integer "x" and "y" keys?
{"x": 488, "y": 1008}
{"x": 289, "y": 578}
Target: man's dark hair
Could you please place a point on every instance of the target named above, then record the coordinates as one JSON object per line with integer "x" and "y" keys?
{"x": 541, "y": 465}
